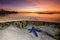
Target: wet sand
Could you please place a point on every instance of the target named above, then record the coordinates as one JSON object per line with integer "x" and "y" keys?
{"x": 14, "y": 33}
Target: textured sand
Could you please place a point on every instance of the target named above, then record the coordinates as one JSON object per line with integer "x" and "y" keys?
{"x": 14, "y": 33}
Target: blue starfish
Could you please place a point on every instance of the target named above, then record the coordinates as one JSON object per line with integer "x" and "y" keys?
{"x": 34, "y": 31}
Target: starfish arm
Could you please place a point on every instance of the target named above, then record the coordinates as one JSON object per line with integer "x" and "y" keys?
{"x": 30, "y": 30}
{"x": 38, "y": 30}
{"x": 34, "y": 32}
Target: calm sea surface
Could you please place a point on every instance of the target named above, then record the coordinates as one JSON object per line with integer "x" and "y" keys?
{"x": 31, "y": 17}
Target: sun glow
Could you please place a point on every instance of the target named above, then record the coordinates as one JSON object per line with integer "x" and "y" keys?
{"x": 34, "y": 10}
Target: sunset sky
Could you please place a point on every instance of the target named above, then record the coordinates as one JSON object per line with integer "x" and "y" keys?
{"x": 30, "y": 5}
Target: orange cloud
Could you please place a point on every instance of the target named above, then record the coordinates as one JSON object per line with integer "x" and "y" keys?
{"x": 34, "y": 5}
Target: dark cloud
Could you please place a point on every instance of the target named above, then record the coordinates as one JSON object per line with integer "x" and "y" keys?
{"x": 30, "y": 4}
{"x": 5, "y": 2}
{"x": 12, "y": 1}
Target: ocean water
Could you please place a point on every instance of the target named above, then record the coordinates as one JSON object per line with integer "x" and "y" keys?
{"x": 31, "y": 17}
{"x": 13, "y": 32}
{"x": 17, "y": 31}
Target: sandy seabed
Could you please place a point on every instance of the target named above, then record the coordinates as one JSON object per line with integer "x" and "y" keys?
{"x": 14, "y": 33}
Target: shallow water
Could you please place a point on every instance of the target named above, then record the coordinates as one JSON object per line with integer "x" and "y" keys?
{"x": 31, "y": 17}
{"x": 18, "y": 30}
{"x": 14, "y": 33}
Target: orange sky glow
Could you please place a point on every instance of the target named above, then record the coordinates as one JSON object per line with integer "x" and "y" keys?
{"x": 31, "y": 5}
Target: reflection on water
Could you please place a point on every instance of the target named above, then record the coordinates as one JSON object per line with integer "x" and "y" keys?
{"x": 33, "y": 17}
